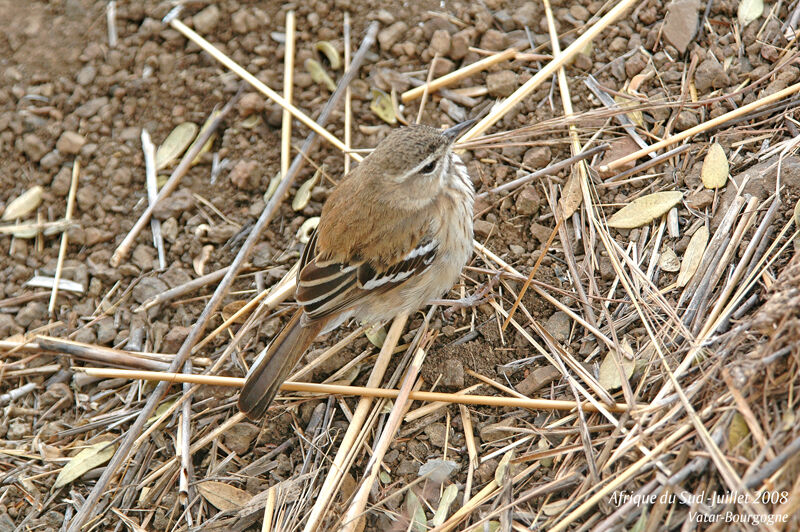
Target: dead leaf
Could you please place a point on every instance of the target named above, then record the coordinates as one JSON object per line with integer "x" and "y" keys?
{"x": 797, "y": 215}
{"x": 210, "y": 141}
{"x": 223, "y": 496}
{"x": 25, "y": 203}
{"x": 86, "y": 460}
{"x": 668, "y": 261}
{"x": 502, "y": 474}
{"x": 318, "y": 74}
{"x": 175, "y": 144}
{"x": 645, "y": 209}
{"x": 714, "y": 172}
{"x": 381, "y": 105}
{"x": 443, "y": 509}
{"x": 749, "y": 10}
{"x": 416, "y": 513}
{"x": 692, "y": 256}
{"x": 376, "y": 335}
{"x": 571, "y": 196}
{"x": 554, "y": 508}
{"x": 738, "y": 433}
{"x": 608, "y": 375}
{"x": 232, "y": 308}
{"x": 303, "y": 195}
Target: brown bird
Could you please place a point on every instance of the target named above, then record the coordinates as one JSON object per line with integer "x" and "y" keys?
{"x": 393, "y": 235}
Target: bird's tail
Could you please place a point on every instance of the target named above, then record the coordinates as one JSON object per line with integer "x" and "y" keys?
{"x": 273, "y": 366}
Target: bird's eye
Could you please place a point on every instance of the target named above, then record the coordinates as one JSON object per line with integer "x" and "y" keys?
{"x": 428, "y": 168}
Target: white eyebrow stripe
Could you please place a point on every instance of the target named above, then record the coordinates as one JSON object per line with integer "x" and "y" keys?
{"x": 419, "y": 166}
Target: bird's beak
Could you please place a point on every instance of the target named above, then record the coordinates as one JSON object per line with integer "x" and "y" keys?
{"x": 452, "y": 133}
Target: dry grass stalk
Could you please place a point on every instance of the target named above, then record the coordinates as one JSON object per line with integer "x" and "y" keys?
{"x": 336, "y": 471}
{"x": 348, "y": 100}
{"x": 548, "y": 70}
{"x": 288, "y": 84}
{"x": 457, "y": 75}
{"x": 62, "y": 250}
{"x": 149, "y": 152}
{"x": 258, "y": 85}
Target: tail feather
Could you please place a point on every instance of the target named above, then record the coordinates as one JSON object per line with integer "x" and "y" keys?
{"x": 272, "y": 368}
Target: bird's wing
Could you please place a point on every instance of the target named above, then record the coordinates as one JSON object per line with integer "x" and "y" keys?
{"x": 325, "y": 287}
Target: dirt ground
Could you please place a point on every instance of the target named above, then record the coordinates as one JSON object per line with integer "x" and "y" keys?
{"x": 67, "y": 95}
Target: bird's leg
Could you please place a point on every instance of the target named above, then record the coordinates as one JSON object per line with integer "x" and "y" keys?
{"x": 481, "y": 295}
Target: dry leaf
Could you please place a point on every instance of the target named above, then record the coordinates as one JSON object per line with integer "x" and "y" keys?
{"x": 502, "y": 468}
{"x": 376, "y": 335}
{"x": 737, "y": 434}
{"x": 318, "y": 74}
{"x": 303, "y": 195}
{"x": 797, "y": 215}
{"x": 645, "y": 209}
{"x": 86, "y": 460}
{"x": 571, "y": 196}
{"x": 210, "y": 141}
{"x": 693, "y": 256}
{"x": 749, "y": 10}
{"x": 714, "y": 173}
{"x": 443, "y": 509}
{"x": 608, "y": 375}
{"x": 308, "y": 227}
{"x": 330, "y": 53}
{"x": 273, "y": 186}
{"x": 381, "y": 105}
{"x": 634, "y": 116}
{"x": 25, "y": 203}
{"x": 223, "y": 496}
{"x": 175, "y": 144}
{"x": 232, "y": 308}
{"x": 416, "y": 513}
{"x": 668, "y": 261}
{"x": 555, "y": 508}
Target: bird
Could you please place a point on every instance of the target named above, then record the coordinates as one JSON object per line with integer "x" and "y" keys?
{"x": 393, "y": 235}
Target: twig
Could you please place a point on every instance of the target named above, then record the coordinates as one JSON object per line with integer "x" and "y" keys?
{"x": 316, "y": 127}
{"x": 111, "y": 22}
{"x": 547, "y": 71}
{"x": 152, "y": 193}
{"x": 288, "y": 84}
{"x": 709, "y": 124}
{"x": 364, "y": 391}
{"x": 457, "y": 75}
{"x": 185, "y": 288}
{"x": 62, "y": 250}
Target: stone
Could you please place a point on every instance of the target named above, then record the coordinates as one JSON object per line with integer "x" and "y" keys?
{"x": 443, "y": 66}
{"x": 537, "y": 157}
{"x": 18, "y": 429}
{"x": 635, "y": 64}
{"x": 143, "y": 256}
{"x": 8, "y": 327}
{"x": 70, "y": 142}
{"x": 497, "y": 431}
{"x": 710, "y": 74}
{"x": 148, "y": 287}
{"x": 174, "y": 338}
{"x": 440, "y": 42}
{"x": 459, "y": 44}
{"x": 686, "y": 120}
{"x": 493, "y": 40}
{"x": 436, "y": 433}
{"x": 453, "y": 374}
{"x": 85, "y": 335}
{"x": 501, "y": 84}
{"x": 106, "y": 332}
{"x": 6, "y": 523}
{"x": 32, "y": 313}
{"x": 527, "y": 15}
{"x": 483, "y": 227}
{"x": 239, "y": 437}
{"x": 92, "y": 107}
{"x": 95, "y": 235}
{"x": 680, "y": 24}
{"x": 387, "y": 37}
{"x": 86, "y": 75}
{"x": 558, "y": 325}
{"x": 579, "y": 12}
{"x": 243, "y": 175}
{"x": 178, "y": 203}
{"x": 206, "y": 20}
{"x": 33, "y": 147}
{"x": 250, "y": 103}
{"x": 51, "y": 160}
{"x": 537, "y": 379}
{"x": 619, "y": 148}
{"x": 528, "y": 201}
{"x": 700, "y": 199}
{"x": 242, "y": 21}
